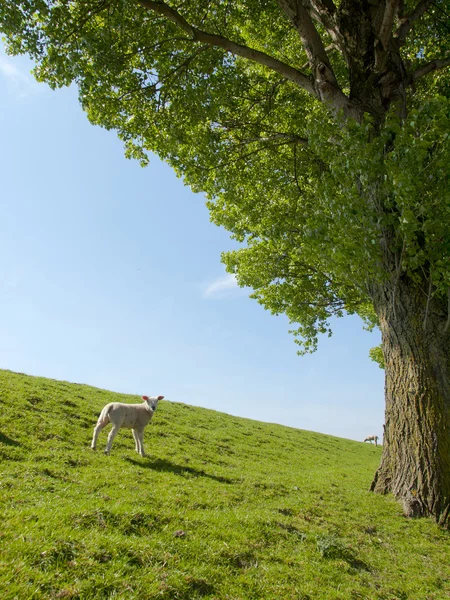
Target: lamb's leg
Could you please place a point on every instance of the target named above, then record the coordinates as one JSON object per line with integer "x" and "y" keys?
{"x": 137, "y": 443}
{"x": 140, "y": 435}
{"x": 111, "y": 436}
{"x": 97, "y": 430}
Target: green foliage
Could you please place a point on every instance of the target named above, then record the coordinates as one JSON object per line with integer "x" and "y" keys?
{"x": 222, "y": 508}
{"x": 314, "y": 198}
{"x": 418, "y": 190}
{"x": 376, "y": 354}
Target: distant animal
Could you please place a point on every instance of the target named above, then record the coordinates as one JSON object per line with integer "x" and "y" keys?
{"x": 372, "y": 438}
{"x": 130, "y": 416}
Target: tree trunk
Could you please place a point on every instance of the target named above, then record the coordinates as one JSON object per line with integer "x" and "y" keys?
{"x": 415, "y": 465}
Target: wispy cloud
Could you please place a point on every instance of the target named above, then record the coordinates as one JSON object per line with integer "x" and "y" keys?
{"x": 19, "y": 81}
{"x": 223, "y": 286}
{"x": 13, "y": 281}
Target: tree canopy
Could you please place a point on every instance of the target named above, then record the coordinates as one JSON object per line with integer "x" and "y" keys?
{"x": 248, "y": 101}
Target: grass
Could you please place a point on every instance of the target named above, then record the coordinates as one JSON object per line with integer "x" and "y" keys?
{"x": 222, "y": 508}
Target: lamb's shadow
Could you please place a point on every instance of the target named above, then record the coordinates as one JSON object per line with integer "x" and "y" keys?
{"x": 4, "y": 439}
{"x": 169, "y": 467}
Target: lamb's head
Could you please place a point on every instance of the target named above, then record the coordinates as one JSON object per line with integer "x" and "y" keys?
{"x": 152, "y": 401}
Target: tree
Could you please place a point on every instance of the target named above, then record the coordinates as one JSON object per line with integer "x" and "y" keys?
{"x": 318, "y": 130}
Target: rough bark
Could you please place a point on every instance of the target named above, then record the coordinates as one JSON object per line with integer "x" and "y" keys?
{"x": 415, "y": 465}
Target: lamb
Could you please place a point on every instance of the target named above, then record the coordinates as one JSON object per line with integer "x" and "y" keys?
{"x": 130, "y": 416}
{"x": 372, "y": 438}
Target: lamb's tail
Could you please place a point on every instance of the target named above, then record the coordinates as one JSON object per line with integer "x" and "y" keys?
{"x": 104, "y": 415}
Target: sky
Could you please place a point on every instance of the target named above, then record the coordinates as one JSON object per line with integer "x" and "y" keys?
{"x": 110, "y": 275}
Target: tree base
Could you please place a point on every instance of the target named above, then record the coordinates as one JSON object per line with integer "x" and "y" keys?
{"x": 413, "y": 508}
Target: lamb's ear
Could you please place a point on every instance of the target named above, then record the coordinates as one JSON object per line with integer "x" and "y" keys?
{"x": 160, "y": 397}
{"x": 145, "y": 398}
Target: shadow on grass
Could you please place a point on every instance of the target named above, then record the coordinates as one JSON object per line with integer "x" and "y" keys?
{"x": 331, "y": 547}
{"x": 4, "y": 439}
{"x": 169, "y": 467}
{"x": 356, "y": 563}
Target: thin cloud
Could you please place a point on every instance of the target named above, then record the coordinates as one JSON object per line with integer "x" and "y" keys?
{"x": 221, "y": 287}
{"x": 13, "y": 282}
{"x": 21, "y": 83}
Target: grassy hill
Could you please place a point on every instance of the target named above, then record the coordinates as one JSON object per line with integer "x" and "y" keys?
{"x": 222, "y": 508}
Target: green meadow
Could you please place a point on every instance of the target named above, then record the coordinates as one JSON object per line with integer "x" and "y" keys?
{"x": 222, "y": 508}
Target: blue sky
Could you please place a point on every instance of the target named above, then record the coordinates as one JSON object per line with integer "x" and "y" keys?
{"x": 110, "y": 275}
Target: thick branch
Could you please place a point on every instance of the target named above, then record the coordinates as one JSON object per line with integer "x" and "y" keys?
{"x": 311, "y": 40}
{"x": 219, "y": 41}
{"x": 324, "y": 6}
{"x": 325, "y": 80}
{"x": 407, "y": 21}
{"x": 434, "y": 65}
{"x": 324, "y": 12}
{"x": 384, "y": 35}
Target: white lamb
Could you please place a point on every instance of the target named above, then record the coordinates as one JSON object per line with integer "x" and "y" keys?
{"x": 372, "y": 438}
{"x": 130, "y": 416}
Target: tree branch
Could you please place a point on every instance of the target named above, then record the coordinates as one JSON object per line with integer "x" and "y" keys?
{"x": 324, "y": 12}
{"x": 198, "y": 35}
{"x": 265, "y": 146}
{"x": 384, "y": 34}
{"x": 407, "y": 21}
{"x": 158, "y": 85}
{"x": 324, "y": 7}
{"x": 434, "y": 65}
{"x": 289, "y": 139}
{"x": 311, "y": 40}
{"x": 326, "y": 84}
